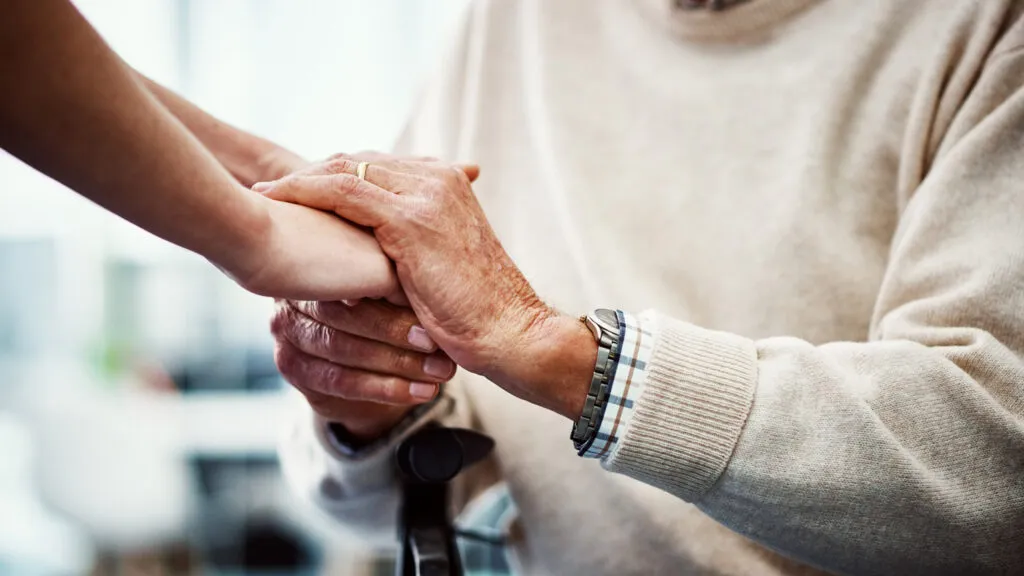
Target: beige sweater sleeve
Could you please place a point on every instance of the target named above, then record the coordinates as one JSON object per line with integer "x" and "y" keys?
{"x": 901, "y": 454}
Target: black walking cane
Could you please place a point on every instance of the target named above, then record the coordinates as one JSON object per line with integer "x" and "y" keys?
{"x": 427, "y": 461}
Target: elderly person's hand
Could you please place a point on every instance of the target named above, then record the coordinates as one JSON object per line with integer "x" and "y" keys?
{"x": 362, "y": 365}
{"x": 468, "y": 294}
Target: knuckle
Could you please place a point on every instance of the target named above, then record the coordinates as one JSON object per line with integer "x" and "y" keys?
{"x": 381, "y": 389}
{"x": 390, "y": 390}
{"x": 338, "y": 166}
{"x": 286, "y": 324}
{"x": 328, "y": 339}
{"x": 305, "y": 332}
{"x": 345, "y": 183}
{"x": 339, "y": 381}
{"x": 314, "y": 309}
{"x": 287, "y": 361}
{"x": 302, "y": 331}
{"x": 278, "y": 320}
{"x": 398, "y": 360}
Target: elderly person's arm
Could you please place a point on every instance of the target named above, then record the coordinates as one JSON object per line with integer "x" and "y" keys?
{"x": 70, "y": 108}
{"x": 900, "y": 453}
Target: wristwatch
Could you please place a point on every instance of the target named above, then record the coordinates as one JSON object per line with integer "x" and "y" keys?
{"x": 604, "y": 325}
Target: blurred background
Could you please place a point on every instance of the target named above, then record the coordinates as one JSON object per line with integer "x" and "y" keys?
{"x": 139, "y": 403}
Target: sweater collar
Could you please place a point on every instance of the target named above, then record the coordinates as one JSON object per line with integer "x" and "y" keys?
{"x": 699, "y": 20}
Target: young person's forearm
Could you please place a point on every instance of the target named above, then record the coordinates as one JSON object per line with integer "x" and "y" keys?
{"x": 248, "y": 157}
{"x": 72, "y": 109}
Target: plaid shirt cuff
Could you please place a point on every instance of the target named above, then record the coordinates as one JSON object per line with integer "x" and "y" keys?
{"x": 635, "y": 345}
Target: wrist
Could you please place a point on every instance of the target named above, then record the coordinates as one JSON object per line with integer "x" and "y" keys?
{"x": 359, "y": 437}
{"x": 239, "y": 252}
{"x": 351, "y": 441}
{"x": 368, "y": 430}
{"x": 551, "y": 364}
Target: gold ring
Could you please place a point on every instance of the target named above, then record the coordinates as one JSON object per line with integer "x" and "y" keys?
{"x": 361, "y": 170}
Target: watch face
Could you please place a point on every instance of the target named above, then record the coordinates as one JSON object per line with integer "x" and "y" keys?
{"x": 607, "y": 320}
{"x": 607, "y": 316}
{"x": 602, "y": 320}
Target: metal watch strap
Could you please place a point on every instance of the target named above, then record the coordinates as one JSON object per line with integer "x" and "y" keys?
{"x": 607, "y": 332}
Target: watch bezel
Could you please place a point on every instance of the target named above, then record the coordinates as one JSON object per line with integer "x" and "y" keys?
{"x": 599, "y": 325}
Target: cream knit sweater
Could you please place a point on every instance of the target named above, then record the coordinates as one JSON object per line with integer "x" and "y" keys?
{"x": 825, "y": 202}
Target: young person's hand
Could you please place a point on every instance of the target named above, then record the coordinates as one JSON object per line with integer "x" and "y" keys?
{"x": 306, "y": 254}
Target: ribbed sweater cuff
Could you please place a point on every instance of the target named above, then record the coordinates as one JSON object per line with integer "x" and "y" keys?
{"x": 700, "y": 387}
{"x": 373, "y": 467}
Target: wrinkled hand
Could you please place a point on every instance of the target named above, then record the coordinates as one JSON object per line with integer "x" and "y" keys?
{"x": 364, "y": 366}
{"x": 308, "y": 254}
{"x": 465, "y": 289}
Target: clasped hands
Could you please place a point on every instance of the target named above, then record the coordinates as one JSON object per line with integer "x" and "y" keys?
{"x": 366, "y": 363}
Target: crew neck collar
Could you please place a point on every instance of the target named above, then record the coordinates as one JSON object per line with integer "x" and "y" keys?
{"x": 732, "y": 23}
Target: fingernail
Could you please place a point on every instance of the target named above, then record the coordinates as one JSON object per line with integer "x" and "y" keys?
{"x": 422, "y": 390}
{"x": 419, "y": 338}
{"x": 261, "y": 186}
{"x": 438, "y": 366}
